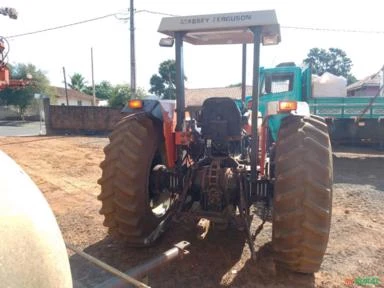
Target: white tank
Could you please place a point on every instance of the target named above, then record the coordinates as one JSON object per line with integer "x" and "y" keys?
{"x": 329, "y": 85}
{"x": 32, "y": 250}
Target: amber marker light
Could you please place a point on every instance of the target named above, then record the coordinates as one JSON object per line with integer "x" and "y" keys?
{"x": 135, "y": 104}
{"x": 286, "y": 106}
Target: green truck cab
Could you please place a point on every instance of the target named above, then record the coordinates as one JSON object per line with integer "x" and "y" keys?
{"x": 350, "y": 119}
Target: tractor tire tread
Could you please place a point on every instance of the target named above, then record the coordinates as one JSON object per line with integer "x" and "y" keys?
{"x": 303, "y": 194}
{"x": 124, "y": 180}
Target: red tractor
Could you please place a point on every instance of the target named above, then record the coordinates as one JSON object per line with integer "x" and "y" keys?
{"x": 5, "y": 81}
{"x": 213, "y": 164}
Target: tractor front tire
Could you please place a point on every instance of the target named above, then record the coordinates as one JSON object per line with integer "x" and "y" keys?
{"x": 125, "y": 195}
{"x": 302, "y": 203}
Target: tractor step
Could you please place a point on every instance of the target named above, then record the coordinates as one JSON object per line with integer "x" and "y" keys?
{"x": 261, "y": 190}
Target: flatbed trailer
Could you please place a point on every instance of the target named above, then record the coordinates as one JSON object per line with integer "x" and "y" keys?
{"x": 352, "y": 119}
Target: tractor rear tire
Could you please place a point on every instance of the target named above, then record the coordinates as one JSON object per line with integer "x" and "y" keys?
{"x": 302, "y": 203}
{"x": 125, "y": 195}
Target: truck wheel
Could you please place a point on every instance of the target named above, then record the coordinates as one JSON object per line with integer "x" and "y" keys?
{"x": 131, "y": 210}
{"x": 302, "y": 203}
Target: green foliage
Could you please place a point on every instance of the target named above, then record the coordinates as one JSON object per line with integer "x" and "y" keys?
{"x": 22, "y": 97}
{"x": 117, "y": 95}
{"x": 77, "y": 82}
{"x": 334, "y": 61}
{"x": 17, "y": 97}
{"x": 164, "y": 83}
{"x": 103, "y": 90}
{"x": 351, "y": 79}
{"x": 121, "y": 94}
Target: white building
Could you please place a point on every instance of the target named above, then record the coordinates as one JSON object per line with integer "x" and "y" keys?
{"x": 75, "y": 98}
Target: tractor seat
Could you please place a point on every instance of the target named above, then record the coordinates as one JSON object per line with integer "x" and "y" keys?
{"x": 220, "y": 119}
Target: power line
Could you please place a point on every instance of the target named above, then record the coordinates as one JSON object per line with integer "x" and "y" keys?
{"x": 61, "y": 26}
{"x": 87, "y": 21}
{"x": 286, "y": 27}
{"x": 156, "y": 13}
{"x": 149, "y": 12}
{"x": 317, "y": 29}
{"x": 333, "y": 30}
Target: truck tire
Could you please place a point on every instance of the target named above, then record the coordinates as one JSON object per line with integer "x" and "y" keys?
{"x": 302, "y": 203}
{"x": 125, "y": 195}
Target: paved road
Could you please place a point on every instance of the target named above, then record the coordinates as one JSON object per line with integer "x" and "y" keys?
{"x": 21, "y": 128}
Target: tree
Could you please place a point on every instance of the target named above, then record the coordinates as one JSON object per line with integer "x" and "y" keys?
{"x": 21, "y": 97}
{"x": 121, "y": 94}
{"x": 164, "y": 83}
{"x": 77, "y": 82}
{"x": 334, "y": 61}
{"x": 103, "y": 90}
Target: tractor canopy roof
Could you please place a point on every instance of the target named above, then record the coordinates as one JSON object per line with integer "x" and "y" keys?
{"x": 227, "y": 28}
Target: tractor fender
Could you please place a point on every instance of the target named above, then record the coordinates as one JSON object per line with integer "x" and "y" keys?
{"x": 164, "y": 111}
{"x": 160, "y": 109}
{"x": 32, "y": 249}
{"x": 275, "y": 116}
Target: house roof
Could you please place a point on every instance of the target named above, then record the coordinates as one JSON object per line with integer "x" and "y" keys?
{"x": 73, "y": 94}
{"x": 196, "y": 97}
{"x": 373, "y": 80}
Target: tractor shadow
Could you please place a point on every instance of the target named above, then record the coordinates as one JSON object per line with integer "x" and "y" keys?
{"x": 221, "y": 260}
{"x": 263, "y": 272}
{"x": 204, "y": 266}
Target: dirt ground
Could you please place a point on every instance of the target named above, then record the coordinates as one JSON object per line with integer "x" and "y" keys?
{"x": 66, "y": 170}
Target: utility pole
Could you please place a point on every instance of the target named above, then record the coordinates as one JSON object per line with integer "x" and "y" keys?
{"x": 133, "y": 59}
{"x": 93, "y": 80}
{"x": 65, "y": 85}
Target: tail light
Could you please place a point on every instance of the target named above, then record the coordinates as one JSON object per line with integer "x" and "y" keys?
{"x": 135, "y": 104}
{"x": 287, "y": 106}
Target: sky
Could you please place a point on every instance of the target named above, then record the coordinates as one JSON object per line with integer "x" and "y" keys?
{"x": 205, "y": 66}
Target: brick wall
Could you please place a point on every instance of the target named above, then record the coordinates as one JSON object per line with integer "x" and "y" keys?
{"x": 80, "y": 119}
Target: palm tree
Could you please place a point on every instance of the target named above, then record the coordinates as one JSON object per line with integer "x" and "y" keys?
{"x": 77, "y": 82}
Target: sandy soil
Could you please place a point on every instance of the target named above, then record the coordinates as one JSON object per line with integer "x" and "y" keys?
{"x": 66, "y": 170}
